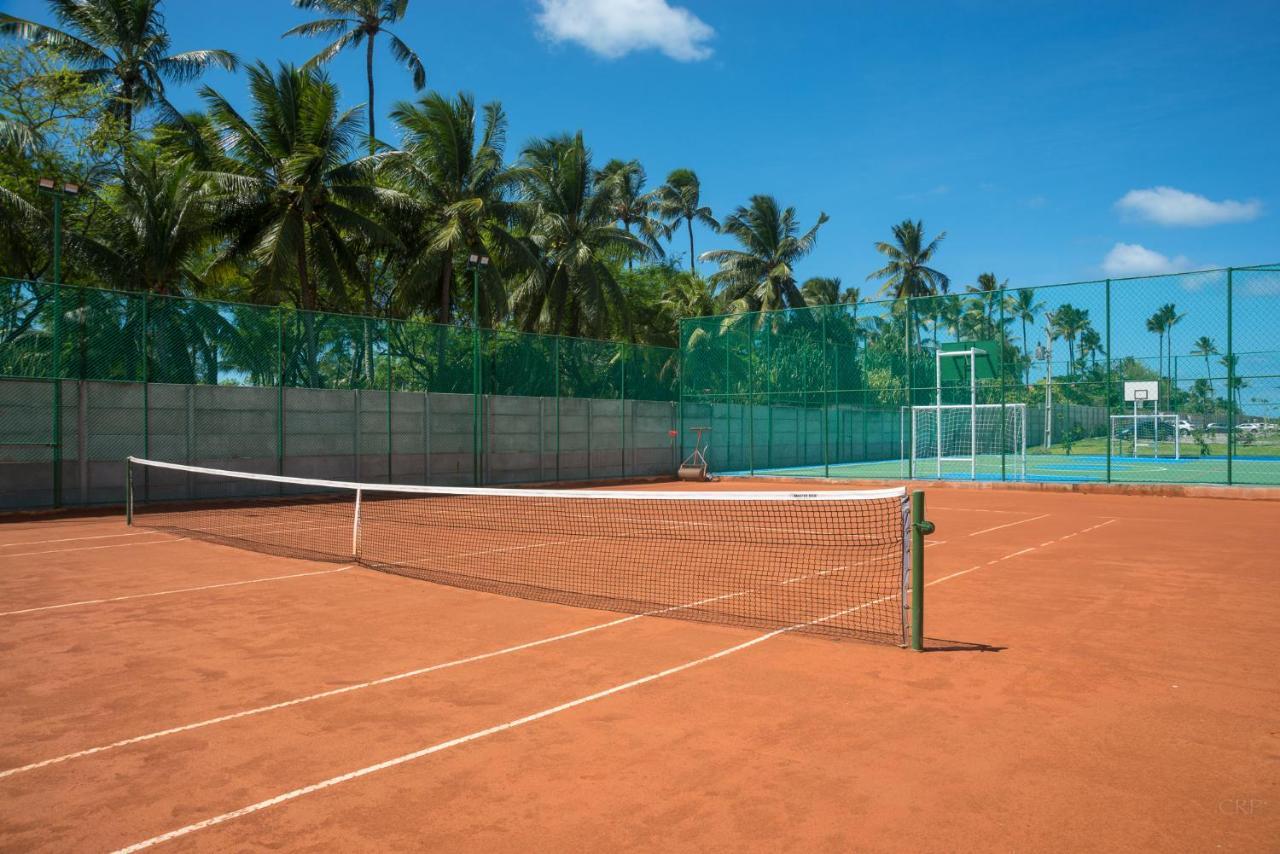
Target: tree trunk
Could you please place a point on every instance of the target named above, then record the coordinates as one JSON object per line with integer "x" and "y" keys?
{"x": 307, "y": 292}
{"x": 446, "y": 281}
{"x": 368, "y": 67}
{"x": 689, "y": 222}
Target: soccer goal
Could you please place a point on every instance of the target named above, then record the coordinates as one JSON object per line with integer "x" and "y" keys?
{"x": 968, "y": 439}
{"x": 961, "y": 439}
{"x": 1150, "y": 434}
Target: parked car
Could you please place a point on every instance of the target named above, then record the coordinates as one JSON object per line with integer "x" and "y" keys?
{"x": 1250, "y": 427}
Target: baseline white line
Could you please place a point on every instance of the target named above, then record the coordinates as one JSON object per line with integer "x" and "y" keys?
{"x": 73, "y": 539}
{"x": 346, "y": 689}
{"x": 171, "y": 592}
{"x": 95, "y": 548}
{"x": 1009, "y": 524}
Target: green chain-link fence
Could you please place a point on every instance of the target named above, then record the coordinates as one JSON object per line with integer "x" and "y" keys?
{"x": 88, "y": 377}
{"x": 853, "y": 391}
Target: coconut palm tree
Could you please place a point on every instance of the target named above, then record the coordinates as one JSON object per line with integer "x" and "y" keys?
{"x": 632, "y": 205}
{"x": 451, "y": 164}
{"x": 987, "y": 288}
{"x": 355, "y": 22}
{"x": 1156, "y": 324}
{"x": 1171, "y": 319}
{"x": 569, "y": 244}
{"x": 907, "y": 272}
{"x": 1069, "y": 322}
{"x": 288, "y": 193}
{"x": 1204, "y": 346}
{"x": 122, "y": 44}
{"x": 680, "y": 198}
{"x": 1022, "y": 306}
{"x": 1091, "y": 346}
{"x": 157, "y": 219}
{"x": 761, "y": 275}
{"x": 821, "y": 290}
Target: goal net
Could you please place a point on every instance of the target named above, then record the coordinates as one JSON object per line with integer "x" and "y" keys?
{"x": 968, "y": 440}
{"x": 1147, "y": 435}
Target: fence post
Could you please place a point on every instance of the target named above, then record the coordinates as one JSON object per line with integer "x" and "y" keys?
{"x": 57, "y": 389}
{"x": 280, "y": 366}
{"x": 1004, "y": 430}
{"x": 751, "y": 395}
{"x": 390, "y": 478}
{"x": 826, "y": 383}
{"x": 1107, "y": 396}
{"x": 557, "y": 391}
{"x": 146, "y": 396}
{"x": 622, "y": 405}
{"x": 1231, "y": 382}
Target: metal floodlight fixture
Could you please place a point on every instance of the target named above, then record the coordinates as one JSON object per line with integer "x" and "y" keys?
{"x": 46, "y": 183}
{"x": 475, "y": 262}
{"x": 49, "y": 185}
{"x": 1040, "y": 352}
{"x": 71, "y": 189}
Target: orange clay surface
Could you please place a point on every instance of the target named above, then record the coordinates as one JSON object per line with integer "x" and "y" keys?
{"x": 1102, "y": 675}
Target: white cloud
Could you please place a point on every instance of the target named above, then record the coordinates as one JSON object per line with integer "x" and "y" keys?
{"x": 1170, "y": 206}
{"x": 1130, "y": 259}
{"x": 614, "y": 28}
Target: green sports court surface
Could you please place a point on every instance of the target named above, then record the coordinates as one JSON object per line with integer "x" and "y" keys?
{"x": 1260, "y": 470}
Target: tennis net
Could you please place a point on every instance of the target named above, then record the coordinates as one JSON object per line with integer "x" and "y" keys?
{"x": 829, "y": 563}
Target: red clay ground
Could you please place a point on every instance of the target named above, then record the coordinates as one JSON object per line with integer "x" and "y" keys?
{"x": 1131, "y": 700}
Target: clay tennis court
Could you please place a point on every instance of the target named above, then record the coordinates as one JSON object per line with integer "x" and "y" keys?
{"x": 1099, "y": 675}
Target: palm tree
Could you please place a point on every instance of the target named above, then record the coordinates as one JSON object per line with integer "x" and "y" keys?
{"x": 680, "y": 198}
{"x": 822, "y": 290}
{"x": 122, "y": 44}
{"x": 988, "y": 286}
{"x": 1204, "y": 346}
{"x": 631, "y": 205}
{"x": 1091, "y": 345}
{"x": 1022, "y": 305}
{"x": 1171, "y": 319}
{"x": 1156, "y": 324}
{"x": 761, "y": 275}
{"x": 570, "y": 237}
{"x": 907, "y": 273}
{"x": 288, "y": 194}
{"x": 158, "y": 218}
{"x": 359, "y": 21}
{"x": 1235, "y": 383}
{"x": 451, "y": 164}
{"x": 1069, "y": 322}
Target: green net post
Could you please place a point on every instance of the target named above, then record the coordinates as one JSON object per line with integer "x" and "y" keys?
{"x": 1107, "y": 396}
{"x": 920, "y": 527}
{"x": 1231, "y": 383}
{"x": 907, "y": 391}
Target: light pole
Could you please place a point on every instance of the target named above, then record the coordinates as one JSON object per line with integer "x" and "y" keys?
{"x": 50, "y": 187}
{"x": 475, "y": 263}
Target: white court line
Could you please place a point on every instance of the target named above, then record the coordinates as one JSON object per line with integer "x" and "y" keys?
{"x": 479, "y": 734}
{"x": 509, "y": 725}
{"x": 94, "y": 548}
{"x": 972, "y": 510}
{"x": 1016, "y": 554}
{"x": 346, "y": 689}
{"x": 1009, "y": 525}
{"x": 169, "y": 592}
{"x": 73, "y": 539}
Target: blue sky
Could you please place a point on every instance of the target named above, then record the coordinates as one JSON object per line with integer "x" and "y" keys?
{"x": 1015, "y": 127}
{"x": 1051, "y": 141}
